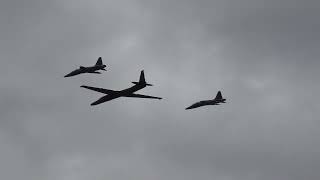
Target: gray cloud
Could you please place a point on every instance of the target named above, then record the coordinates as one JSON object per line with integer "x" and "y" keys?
{"x": 263, "y": 55}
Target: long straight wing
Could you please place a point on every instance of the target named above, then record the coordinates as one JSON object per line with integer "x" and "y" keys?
{"x": 105, "y": 99}
{"x": 142, "y": 96}
{"x": 114, "y": 96}
{"x": 101, "y": 90}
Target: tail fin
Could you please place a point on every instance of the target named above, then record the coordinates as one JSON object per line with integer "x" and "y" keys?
{"x": 142, "y": 80}
{"x": 219, "y": 95}
{"x": 99, "y": 62}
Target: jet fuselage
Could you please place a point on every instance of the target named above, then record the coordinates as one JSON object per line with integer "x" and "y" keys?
{"x": 206, "y": 103}
{"x": 133, "y": 89}
{"x": 91, "y": 69}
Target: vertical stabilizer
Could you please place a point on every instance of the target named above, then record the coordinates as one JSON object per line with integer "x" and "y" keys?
{"x": 142, "y": 79}
{"x": 219, "y": 95}
{"x": 99, "y": 62}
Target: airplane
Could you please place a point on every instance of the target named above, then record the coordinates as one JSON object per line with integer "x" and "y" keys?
{"x": 129, "y": 92}
{"x": 91, "y": 69}
{"x": 218, "y": 99}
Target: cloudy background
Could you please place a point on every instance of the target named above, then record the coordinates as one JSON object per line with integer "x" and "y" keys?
{"x": 262, "y": 54}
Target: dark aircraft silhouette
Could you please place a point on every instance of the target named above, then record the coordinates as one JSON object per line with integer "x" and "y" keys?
{"x": 129, "y": 92}
{"x": 215, "y": 101}
{"x": 91, "y": 69}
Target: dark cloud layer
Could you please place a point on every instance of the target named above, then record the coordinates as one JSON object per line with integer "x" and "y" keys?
{"x": 263, "y": 55}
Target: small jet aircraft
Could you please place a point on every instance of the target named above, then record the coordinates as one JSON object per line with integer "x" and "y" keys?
{"x": 91, "y": 69}
{"x": 129, "y": 92}
{"x": 218, "y": 99}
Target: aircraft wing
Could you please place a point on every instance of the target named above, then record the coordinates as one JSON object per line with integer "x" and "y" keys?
{"x": 95, "y": 72}
{"x": 105, "y": 99}
{"x": 142, "y": 96}
{"x": 101, "y": 90}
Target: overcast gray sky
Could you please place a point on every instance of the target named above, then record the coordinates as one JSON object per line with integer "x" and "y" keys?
{"x": 262, "y": 54}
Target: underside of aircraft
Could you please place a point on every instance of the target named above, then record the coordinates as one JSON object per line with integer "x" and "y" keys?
{"x": 129, "y": 92}
{"x": 91, "y": 69}
{"x": 218, "y": 99}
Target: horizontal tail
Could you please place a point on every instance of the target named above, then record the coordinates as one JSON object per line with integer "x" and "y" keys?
{"x": 147, "y": 84}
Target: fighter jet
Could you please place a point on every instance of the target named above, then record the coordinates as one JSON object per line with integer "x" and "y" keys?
{"x": 129, "y": 92}
{"x": 218, "y": 99}
{"x": 91, "y": 69}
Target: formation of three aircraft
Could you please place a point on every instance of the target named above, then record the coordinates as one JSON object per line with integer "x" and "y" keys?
{"x": 130, "y": 92}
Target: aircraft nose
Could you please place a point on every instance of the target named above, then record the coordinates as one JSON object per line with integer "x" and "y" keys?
{"x": 70, "y": 74}
{"x": 73, "y": 73}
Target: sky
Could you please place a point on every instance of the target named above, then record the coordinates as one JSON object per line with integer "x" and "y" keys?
{"x": 262, "y": 54}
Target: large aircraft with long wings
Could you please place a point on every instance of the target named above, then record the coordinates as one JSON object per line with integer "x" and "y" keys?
{"x": 129, "y": 92}
{"x": 218, "y": 99}
{"x": 91, "y": 69}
